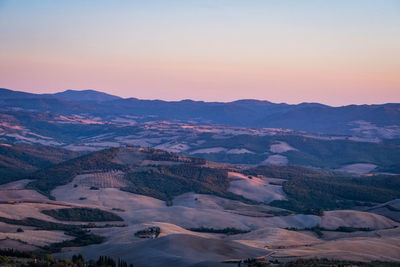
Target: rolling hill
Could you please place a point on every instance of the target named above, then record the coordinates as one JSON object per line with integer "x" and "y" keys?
{"x": 17, "y": 160}
{"x": 100, "y": 201}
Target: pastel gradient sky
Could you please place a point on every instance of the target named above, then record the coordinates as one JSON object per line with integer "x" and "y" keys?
{"x": 335, "y": 52}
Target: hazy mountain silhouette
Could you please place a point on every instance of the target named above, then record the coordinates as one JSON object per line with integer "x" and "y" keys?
{"x": 312, "y": 117}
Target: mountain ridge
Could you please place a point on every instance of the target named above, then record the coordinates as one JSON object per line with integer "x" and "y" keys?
{"x": 309, "y": 117}
{"x": 66, "y": 94}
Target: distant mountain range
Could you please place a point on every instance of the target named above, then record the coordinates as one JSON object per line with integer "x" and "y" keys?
{"x": 379, "y": 120}
{"x": 94, "y": 173}
{"x": 85, "y": 95}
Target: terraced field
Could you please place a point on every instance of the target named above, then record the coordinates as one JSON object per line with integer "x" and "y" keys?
{"x": 111, "y": 179}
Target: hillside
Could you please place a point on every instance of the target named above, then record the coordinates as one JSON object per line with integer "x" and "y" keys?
{"x": 219, "y": 143}
{"x": 17, "y": 160}
{"x": 141, "y": 165}
{"x": 149, "y": 172}
{"x": 164, "y": 175}
{"x": 99, "y": 202}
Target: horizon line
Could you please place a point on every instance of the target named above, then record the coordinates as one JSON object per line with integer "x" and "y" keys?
{"x": 198, "y": 100}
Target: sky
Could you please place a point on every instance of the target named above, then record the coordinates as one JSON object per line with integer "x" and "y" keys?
{"x": 335, "y": 52}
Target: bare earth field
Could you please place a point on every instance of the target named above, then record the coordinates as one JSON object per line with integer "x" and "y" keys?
{"x": 286, "y": 237}
{"x": 358, "y": 168}
{"x": 280, "y": 147}
{"x": 275, "y": 160}
{"x": 255, "y": 188}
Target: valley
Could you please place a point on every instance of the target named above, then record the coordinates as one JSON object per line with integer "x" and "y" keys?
{"x": 200, "y": 133}
{"x": 245, "y": 202}
{"x": 171, "y": 191}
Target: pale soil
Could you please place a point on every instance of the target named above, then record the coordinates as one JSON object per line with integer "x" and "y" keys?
{"x": 236, "y": 175}
{"x": 273, "y": 238}
{"x": 142, "y": 209}
{"x": 358, "y": 168}
{"x": 178, "y": 246}
{"x": 201, "y": 201}
{"x": 280, "y": 147}
{"x": 352, "y": 138}
{"x": 275, "y": 160}
{"x": 37, "y": 237}
{"x": 124, "y": 121}
{"x": 139, "y": 138}
{"x": 333, "y": 235}
{"x": 208, "y": 150}
{"x": 142, "y": 142}
{"x": 174, "y": 250}
{"x": 106, "y": 197}
{"x": 257, "y": 189}
{"x": 18, "y": 195}
{"x": 15, "y": 244}
{"x": 98, "y": 179}
{"x": 173, "y": 147}
{"x": 369, "y": 129}
{"x": 10, "y": 228}
{"x": 127, "y": 234}
{"x": 21, "y": 211}
{"x": 24, "y": 138}
{"x": 355, "y": 249}
{"x": 20, "y": 184}
{"x": 239, "y": 151}
{"x": 356, "y": 219}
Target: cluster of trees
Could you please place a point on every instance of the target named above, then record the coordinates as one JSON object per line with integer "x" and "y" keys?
{"x": 82, "y": 215}
{"x": 312, "y": 191}
{"x": 22, "y": 259}
{"x": 105, "y": 261}
{"x": 329, "y": 154}
{"x": 336, "y": 153}
{"x": 165, "y": 182}
{"x": 49, "y": 178}
{"x": 82, "y": 237}
{"x": 286, "y": 172}
{"x": 150, "y": 232}
{"x": 19, "y": 160}
{"x": 331, "y": 262}
{"x": 14, "y": 253}
{"x": 161, "y": 155}
{"x": 227, "y": 230}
